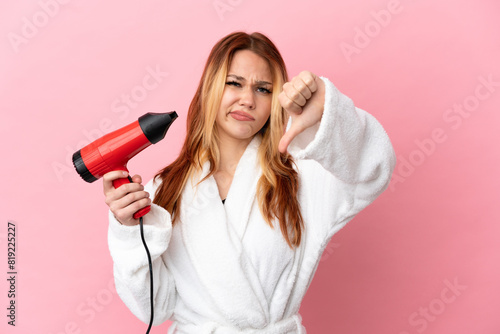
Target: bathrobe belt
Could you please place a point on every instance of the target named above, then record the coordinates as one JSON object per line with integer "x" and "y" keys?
{"x": 290, "y": 325}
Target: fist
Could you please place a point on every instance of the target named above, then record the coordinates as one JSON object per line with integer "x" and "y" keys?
{"x": 303, "y": 98}
{"x": 127, "y": 199}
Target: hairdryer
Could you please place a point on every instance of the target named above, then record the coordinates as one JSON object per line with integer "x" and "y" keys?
{"x": 112, "y": 151}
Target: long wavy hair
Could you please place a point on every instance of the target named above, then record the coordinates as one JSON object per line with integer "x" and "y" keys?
{"x": 278, "y": 185}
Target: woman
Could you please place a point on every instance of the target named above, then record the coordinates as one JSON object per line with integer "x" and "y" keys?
{"x": 240, "y": 219}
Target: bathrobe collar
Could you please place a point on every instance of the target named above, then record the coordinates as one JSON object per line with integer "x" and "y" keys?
{"x": 213, "y": 233}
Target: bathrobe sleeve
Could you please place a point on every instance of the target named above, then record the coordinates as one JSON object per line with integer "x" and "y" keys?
{"x": 130, "y": 263}
{"x": 345, "y": 162}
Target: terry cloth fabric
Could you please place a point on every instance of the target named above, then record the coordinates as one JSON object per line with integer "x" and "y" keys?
{"x": 222, "y": 268}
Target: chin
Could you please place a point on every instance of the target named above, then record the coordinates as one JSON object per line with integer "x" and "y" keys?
{"x": 242, "y": 133}
{"x": 244, "y": 136}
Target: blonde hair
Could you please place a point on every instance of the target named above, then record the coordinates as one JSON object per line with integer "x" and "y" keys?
{"x": 278, "y": 186}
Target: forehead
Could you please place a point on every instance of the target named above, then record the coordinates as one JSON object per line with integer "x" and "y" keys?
{"x": 249, "y": 65}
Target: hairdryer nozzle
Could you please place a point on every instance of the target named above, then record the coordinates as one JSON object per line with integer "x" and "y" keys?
{"x": 155, "y": 125}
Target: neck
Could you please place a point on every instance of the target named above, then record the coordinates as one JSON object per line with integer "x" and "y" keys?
{"x": 231, "y": 150}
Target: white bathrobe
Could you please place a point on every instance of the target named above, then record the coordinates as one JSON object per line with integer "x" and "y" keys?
{"x": 222, "y": 269}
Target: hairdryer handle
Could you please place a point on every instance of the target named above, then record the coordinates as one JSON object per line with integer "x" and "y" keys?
{"x": 118, "y": 182}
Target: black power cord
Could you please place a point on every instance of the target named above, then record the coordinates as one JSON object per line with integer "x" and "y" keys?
{"x": 150, "y": 270}
{"x": 150, "y": 276}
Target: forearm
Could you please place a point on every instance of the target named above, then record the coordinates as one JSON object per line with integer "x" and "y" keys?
{"x": 349, "y": 143}
{"x": 131, "y": 268}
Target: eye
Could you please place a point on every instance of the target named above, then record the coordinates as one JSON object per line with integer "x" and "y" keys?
{"x": 264, "y": 90}
{"x": 233, "y": 83}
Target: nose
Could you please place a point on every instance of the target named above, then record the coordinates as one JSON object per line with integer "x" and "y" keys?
{"x": 247, "y": 98}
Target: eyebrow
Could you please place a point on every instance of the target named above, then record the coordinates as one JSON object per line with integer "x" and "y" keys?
{"x": 258, "y": 82}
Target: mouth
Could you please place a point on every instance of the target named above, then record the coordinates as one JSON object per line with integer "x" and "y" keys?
{"x": 241, "y": 116}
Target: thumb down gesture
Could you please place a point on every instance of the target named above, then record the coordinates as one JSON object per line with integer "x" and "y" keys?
{"x": 303, "y": 98}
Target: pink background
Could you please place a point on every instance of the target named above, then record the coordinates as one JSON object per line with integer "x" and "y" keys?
{"x": 412, "y": 64}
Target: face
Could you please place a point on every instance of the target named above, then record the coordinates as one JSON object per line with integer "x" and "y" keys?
{"x": 246, "y": 101}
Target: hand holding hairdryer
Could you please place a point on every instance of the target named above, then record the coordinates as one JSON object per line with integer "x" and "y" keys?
{"x": 112, "y": 151}
{"x": 124, "y": 201}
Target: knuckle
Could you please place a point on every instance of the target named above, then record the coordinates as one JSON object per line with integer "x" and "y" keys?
{"x": 288, "y": 104}
{"x": 120, "y": 215}
{"x": 309, "y": 81}
{"x": 287, "y": 88}
{"x": 301, "y": 86}
{"x": 281, "y": 98}
{"x": 112, "y": 207}
{"x": 129, "y": 198}
{"x": 127, "y": 187}
{"x": 137, "y": 205}
{"x": 147, "y": 201}
{"x": 136, "y": 196}
{"x": 295, "y": 95}
{"x": 126, "y": 190}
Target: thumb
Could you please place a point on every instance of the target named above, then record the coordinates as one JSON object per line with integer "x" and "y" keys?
{"x": 137, "y": 178}
{"x": 287, "y": 138}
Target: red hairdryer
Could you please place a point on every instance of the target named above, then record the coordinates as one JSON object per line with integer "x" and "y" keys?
{"x": 113, "y": 151}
